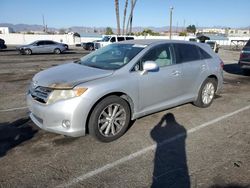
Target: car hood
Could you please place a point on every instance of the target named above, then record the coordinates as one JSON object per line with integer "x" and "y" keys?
{"x": 68, "y": 75}
{"x": 22, "y": 46}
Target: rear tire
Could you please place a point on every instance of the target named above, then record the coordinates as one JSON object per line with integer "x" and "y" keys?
{"x": 246, "y": 72}
{"x": 110, "y": 119}
{"x": 57, "y": 51}
{"x": 206, "y": 93}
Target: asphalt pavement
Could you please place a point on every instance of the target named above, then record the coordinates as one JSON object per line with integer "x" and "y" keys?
{"x": 184, "y": 146}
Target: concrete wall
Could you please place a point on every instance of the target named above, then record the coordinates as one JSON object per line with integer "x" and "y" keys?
{"x": 19, "y": 39}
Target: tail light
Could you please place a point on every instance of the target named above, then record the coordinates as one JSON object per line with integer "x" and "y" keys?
{"x": 241, "y": 55}
{"x": 221, "y": 64}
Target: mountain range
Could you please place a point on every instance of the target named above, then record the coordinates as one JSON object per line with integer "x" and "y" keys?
{"x": 35, "y": 27}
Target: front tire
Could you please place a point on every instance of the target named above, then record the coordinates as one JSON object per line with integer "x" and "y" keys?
{"x": 206, "y": 93}
{"x": 28, "y": 51}
{"x": 110, "y": 119}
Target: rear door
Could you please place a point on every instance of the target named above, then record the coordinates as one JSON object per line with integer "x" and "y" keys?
{"x": 194, "y": 68}
{"x": 49, "y": 46}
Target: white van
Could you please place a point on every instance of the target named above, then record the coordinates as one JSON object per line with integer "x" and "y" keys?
{"x": 109, "y": 39}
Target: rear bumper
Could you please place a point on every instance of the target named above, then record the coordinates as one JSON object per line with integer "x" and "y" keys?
{"x": 244, "y": 64}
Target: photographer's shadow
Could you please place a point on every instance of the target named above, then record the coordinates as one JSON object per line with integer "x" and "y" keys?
{"x": 170, "y": 165}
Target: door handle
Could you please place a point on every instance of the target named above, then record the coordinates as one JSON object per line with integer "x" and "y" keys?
{"x": 203, "y": 67}
{"x": 176, "y": 73}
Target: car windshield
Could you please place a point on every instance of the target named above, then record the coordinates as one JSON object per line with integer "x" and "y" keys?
{"x": 111, "y": 57}
{"x": 105, "y": 39}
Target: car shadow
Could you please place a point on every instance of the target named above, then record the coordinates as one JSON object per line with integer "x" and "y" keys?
{"x": 235, "y": 69}
{"x": 170, "y": 163}
{"x": 14, "y": 133}
{"x": 233, "y": 185}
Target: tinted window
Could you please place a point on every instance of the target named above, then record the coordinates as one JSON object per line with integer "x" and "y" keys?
{"x": 248, "y": 44}
{"x": 129, "y": 38}
{"x": 49, "y": 42}
{"x": 203, "y": 54}
{"x": 40, "y": 43}
{"x": 112, "y": 39}
{"x": 120, "y": 38}
{"x": 186, "y": 52}
{"x": 161, "y": 55}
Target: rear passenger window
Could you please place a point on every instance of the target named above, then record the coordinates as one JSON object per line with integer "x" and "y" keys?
{"x": 203, "y": 54}
{"x": 120, "y": 39}
{"x": 186, "y": 52}
{"x": 129, "y": 38}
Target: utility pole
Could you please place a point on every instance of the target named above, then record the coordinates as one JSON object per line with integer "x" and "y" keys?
{"x": 170, "y": 30}
{"x": 184, "y": 22}
{"x": 44, "y": 29}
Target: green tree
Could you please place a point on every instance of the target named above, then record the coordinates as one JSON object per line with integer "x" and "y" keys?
{"x": 183, "y": 33}
{"x": 191, "y": 29}
{"x": 109, "y": 31}
{"x": 148, "y": 32}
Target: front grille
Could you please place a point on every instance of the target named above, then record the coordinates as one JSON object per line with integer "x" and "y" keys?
{"x": 40, "y": 94}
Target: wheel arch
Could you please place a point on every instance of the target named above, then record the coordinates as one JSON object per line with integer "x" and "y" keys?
{"x": 215, "y": 78}
{"x": 123, "y": 95}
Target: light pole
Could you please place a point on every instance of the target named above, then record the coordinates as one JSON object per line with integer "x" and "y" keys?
{"x": 170, "y": 30}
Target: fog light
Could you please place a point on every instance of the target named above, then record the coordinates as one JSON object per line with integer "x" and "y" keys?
{"x": 66, "y": 124}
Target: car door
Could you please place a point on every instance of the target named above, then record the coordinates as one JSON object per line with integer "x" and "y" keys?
{"x": 38, "y": 47}
{"x": 47, "y": 47}
{"x": 160, "y": 88}
{"x": 194, "y": 68}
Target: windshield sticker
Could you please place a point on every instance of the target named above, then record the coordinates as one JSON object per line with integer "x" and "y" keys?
{"x": 139, "y": 46}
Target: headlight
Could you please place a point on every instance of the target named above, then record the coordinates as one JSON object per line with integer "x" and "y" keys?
{"x": 57, "y": 95}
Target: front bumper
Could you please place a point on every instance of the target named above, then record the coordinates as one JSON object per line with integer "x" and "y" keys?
{"x": 50, "y": 117}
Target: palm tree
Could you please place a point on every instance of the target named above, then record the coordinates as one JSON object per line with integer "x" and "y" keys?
{"x": 117, "y": 16}
{"x": 130, "y": 19}
{"x": 124, "y": 16}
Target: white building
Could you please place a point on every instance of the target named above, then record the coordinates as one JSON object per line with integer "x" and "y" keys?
{"x": 238, "y": 32}
{"x": 6, "y": 30}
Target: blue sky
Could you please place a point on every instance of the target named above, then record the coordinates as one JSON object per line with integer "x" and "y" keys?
{"x": 96, "y": 13}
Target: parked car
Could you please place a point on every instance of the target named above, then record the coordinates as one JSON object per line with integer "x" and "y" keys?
{"x": 106, "y": 89}
{"x": 109, "y": 39}
{"x": 2, "y": 44}
{"x": 244, "y": 61}
{"x": 213, "y": 45}
{"x": 90, "y": 45}
{"x": 43, "y": 46}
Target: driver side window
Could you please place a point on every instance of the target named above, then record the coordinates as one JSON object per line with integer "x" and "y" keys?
{"x": 112, "y": 39}
{"x": 162, "y": 55}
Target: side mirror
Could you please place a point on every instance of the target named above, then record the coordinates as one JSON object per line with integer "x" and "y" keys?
{"x": 35, "y": 44}
{"x": 149, "y": 66}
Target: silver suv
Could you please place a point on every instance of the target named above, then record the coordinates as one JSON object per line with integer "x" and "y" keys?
{"x": 106, "y": 89}
{"x": 43, "y": 46}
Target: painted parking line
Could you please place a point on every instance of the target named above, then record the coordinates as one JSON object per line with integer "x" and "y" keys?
{"x": 147, "y": 149}
{"x": 13, "y": 109}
